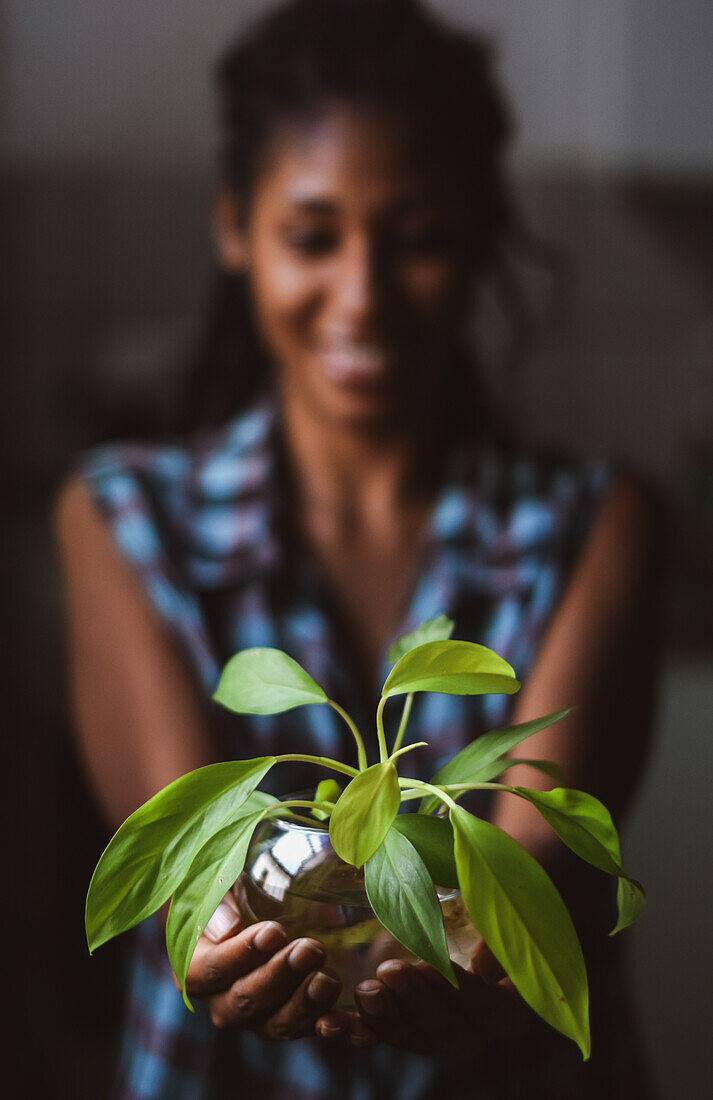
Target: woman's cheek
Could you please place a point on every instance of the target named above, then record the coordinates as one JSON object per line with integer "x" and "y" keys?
{"x": 285, "y": 299}
{"x": 430, "y": 287}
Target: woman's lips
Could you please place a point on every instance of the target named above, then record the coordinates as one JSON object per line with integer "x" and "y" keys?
{"x": 356, "y": 364}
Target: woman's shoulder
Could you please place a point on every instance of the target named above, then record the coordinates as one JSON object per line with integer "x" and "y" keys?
{"x": 603, "y": 502}
{"x": 172, "y": 480}
{"x": 184, "y": 515}
{"x": 210, "y": 462}
{"x": 546, "y": 475}
{"x": 634, "y": 522}
{"x": 189, "y": 501}
{"x": 536, "y": 497}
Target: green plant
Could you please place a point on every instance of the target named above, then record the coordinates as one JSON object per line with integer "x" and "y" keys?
{"x": 189, "y": 842}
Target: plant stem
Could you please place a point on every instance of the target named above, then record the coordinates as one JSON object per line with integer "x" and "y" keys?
{"x": 313, "y": 822}
{"x": 305, "y": 803}
{"x": 406, "y": 796}
{"x": 402, "y": 724}
{"x": 361, "y": 751}
{"x": 280, "y": 806}
{"x": 407, "y": 748}
{"x": 323, "y": 761}
{"x": 457, "y": 788}
{"x": 476, "y": 787}
{"x": 383, "y": 751}
{"x": 439, "y": 792}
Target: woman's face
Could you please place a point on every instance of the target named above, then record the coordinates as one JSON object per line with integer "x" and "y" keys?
{"x": 358, "y": 268}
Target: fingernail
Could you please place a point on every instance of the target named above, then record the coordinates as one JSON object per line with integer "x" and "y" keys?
{"x": 396, "y": 975}
{"x": 371, "y": 999}
{"x": 322, "y": 987}
{"x": 223, "y": 923}
{"x": 271, "y": 936}
{"x": 305, "y": 955}
{"x": 330, "y": 1031}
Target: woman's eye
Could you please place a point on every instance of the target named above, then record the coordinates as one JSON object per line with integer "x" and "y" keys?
{"x": 311, "y": 242}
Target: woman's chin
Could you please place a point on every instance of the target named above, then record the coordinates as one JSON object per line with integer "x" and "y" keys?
{"x": 349, "y": 405}
{"x": 358, "y": 397}
{"x": 359, "y": 407}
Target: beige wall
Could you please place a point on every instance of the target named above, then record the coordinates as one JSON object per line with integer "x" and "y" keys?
{"x": 615, "y": 83}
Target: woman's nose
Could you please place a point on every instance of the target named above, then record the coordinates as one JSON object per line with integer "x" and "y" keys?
{"x": 355, "y": 289}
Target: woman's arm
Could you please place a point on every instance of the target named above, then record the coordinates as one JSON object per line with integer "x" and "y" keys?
{"x": 138, "y": 716}
{"x": 601, "y": 654}
{"x": 140, "y": 723}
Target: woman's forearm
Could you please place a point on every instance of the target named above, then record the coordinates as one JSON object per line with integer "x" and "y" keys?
{"x": 600, "y": 655}
{"x": 138, "y": 716}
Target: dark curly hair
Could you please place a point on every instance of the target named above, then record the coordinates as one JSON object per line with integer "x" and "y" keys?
{"x": 393, "y": 55}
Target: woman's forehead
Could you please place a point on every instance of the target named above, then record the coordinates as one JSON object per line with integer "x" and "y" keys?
{"x": 347, "y": 155}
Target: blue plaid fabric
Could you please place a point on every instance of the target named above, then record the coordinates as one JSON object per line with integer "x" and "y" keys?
{"x": 200, "y": 523}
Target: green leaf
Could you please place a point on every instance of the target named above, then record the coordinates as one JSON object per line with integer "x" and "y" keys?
{"x": 586, "y": 827}
{"x": 258, "y": 800}
{"x": 525, "y": 923}
{"x": 402, "y": 895}
{"x": 214, "y": 869}
{"x": 328, "y": 790}
{"x": 547, "y": 767}
{"x": 432, "y": 837}
{"x": 452, "y": 668}
{"x": 631, "y": 902}
{"x": 265, "y": 681}
{"x": 364, "y": 813}
{"x": 582, "y": 822}
{"x": 482, "y": 759}
{"x": 151, "y": 852}
{"x": 438, "y": 629}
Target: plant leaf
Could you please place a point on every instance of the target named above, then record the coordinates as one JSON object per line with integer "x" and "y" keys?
{"x": 364, "y": 813}
{"x": 482, "y": 759}
{"x": 631, "y": 902}
{"x": 328, "y": 790}
{"x": 452, "y": 668}
{"x": 258, "y": 800}
{"x": 214, "y": 869}
{"x": 265, "y": 681}
{"x": 525, "y": 923}
{"x": 438, "y": 629}
{"x": 432, "y": 837}
{"x": 402, "y": 895}
{"x": 582, "y": 822}
{"x": 149, "y": 855}
{"x": 547, "y": 767}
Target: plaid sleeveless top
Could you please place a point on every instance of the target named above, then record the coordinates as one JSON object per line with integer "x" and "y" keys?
{"x": 199, "y": 522}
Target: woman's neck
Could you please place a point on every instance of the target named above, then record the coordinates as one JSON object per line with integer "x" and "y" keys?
{"x": 359, "y": 502}
{"x": 357, "y": 475}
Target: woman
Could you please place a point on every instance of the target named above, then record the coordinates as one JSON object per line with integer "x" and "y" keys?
{"x": 357, "y": 485}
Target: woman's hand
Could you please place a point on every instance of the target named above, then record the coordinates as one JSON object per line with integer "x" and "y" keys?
{"x": 257, "y": 981}
{"x": 413, "y": 1008}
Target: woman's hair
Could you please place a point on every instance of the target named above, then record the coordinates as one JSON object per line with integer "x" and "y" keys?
{"x": 305, "y": 55}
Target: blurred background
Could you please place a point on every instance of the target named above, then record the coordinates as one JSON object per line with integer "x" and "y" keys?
{"x": 107, "y": 142}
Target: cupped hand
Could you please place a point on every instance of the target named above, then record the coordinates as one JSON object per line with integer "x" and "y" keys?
{"x": 253, "y": 979}
{"x": 413, "y": 1008}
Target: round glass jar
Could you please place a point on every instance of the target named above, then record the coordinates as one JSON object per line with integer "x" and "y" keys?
{"x": 293, "y": 875}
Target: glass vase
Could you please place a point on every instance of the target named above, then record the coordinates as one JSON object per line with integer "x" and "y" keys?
{"x": 293, "y": 875}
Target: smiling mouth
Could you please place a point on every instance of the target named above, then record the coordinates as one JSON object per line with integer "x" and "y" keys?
{"x": 354, "y": 363}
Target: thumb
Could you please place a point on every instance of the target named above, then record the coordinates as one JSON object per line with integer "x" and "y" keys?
{"x": 225, "y": 922}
